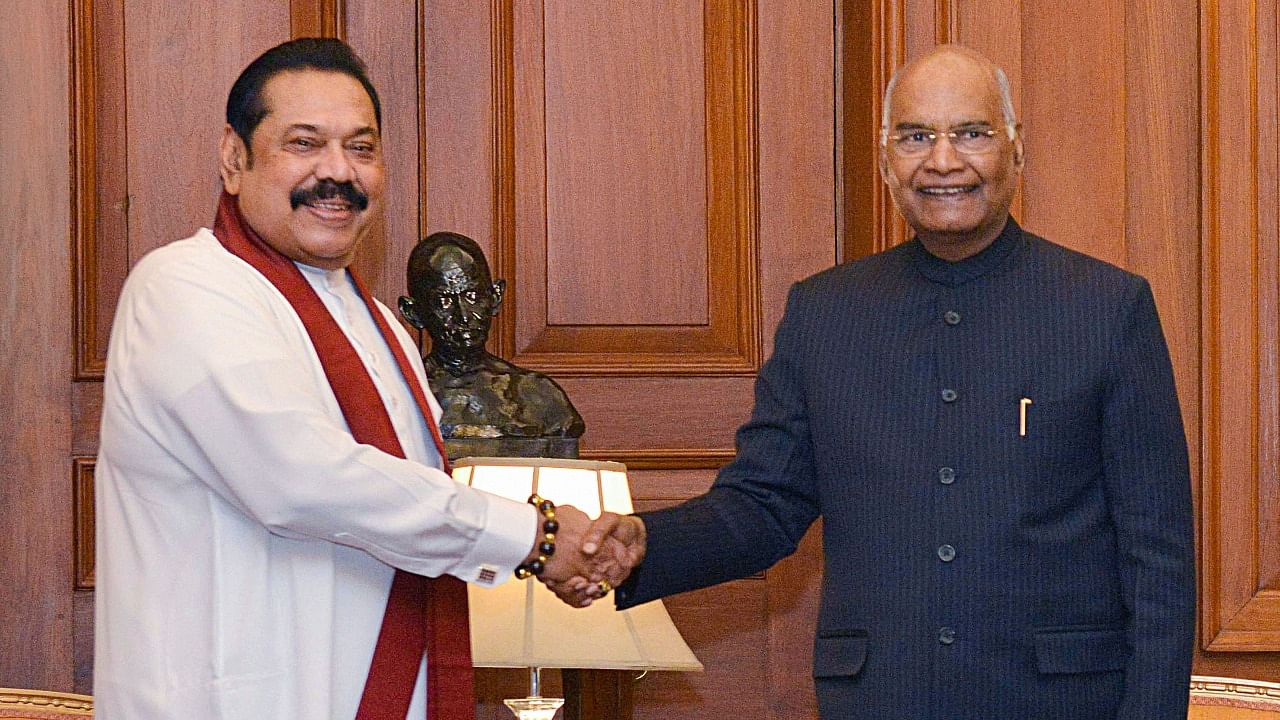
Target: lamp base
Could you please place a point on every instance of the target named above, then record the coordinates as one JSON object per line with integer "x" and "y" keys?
{"x": 534, "y": 708}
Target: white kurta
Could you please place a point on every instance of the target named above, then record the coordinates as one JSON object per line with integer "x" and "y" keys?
{"x": 245, "y": 541}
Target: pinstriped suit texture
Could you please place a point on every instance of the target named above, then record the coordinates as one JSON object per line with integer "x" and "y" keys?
{"x": 997, "y": 453}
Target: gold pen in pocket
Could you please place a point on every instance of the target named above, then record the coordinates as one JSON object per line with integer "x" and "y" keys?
{"x": 1022, "y": 416}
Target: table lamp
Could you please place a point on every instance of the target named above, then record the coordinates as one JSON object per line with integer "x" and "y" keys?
{"x": 522, "y": 624}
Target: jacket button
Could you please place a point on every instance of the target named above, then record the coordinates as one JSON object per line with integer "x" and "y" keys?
{"x": 946, "y": 475}
{"x": 946, "y": 635}
{"x": 949, "y": 395}
{"x": 951, "y": 317}
{"x": 946, "y": 553}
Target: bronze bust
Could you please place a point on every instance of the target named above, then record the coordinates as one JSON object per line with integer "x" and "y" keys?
{"x": 491, "y": 407}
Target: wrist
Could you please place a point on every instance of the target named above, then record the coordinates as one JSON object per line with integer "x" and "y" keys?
{"x": 544, "y": 542}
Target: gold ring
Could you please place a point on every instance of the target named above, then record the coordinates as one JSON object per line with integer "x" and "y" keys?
{"x": 605, "y": 587}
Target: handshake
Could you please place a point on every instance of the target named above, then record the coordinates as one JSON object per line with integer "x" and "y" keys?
{"x": 591, "y": 556}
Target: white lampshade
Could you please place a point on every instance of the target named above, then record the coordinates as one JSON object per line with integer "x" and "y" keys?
{"x": 523, "y": 624}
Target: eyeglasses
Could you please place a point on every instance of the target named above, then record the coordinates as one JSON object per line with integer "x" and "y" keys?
{"x": 969, "y": 139}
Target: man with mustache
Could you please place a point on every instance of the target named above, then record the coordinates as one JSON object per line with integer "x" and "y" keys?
{"x": 987, "y": 424}
{"x": 278, "y": 536}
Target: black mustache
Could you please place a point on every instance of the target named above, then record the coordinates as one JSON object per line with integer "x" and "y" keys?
{"x": 326, "y": 190}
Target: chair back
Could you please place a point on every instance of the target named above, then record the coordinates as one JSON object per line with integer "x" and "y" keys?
{"x": 1219, "y": 698}
{"x": 43, "y": 705}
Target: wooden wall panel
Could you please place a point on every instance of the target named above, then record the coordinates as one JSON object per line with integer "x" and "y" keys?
{"x": 626, "y": 234}
{"x": 859, "y": 192}
{"x": 727, "y": 342}
{"x": 144, "y": 163}
{"x": 385, "y": 34}
{"x": 460, "y": 79}
{"x": 735, "y": 683}
{"x": 797, "y": 149}
{"x": 1241, "y": 483}
{"x": 317, "y": 18}
{"x": 1073, "y": 188}
{"x": 1162, "y": 176}
{"x": 101, "y": 178}
{"x": 36, "y": 353}
{"x": 84, "y": 524}
{"x": 660, "y": 412}
{"x": 174, "y": 126}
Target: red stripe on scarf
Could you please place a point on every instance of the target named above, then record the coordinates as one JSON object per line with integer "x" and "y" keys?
{"x": 423, "y": 614}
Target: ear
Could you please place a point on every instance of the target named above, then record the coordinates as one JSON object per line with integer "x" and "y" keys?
{"x": 233, "y": 159}
{"x": 499, "y": 289}
{"x": 1019, "y": 158}
{"x": 409, "y": 310}
{"x": 886, "y": 174}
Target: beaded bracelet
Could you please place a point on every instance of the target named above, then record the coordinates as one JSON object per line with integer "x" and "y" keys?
{"x": 547, "y": 546}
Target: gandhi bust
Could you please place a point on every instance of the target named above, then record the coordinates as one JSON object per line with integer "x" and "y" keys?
{"x": 491, "y": 407}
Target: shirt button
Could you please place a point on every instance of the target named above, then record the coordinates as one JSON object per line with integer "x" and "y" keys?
{"x": 951, "y": 317}
{"x": 946, "y": 553}
{"x": 946, "y": 476}
{"x": 949, "y": 395}
{"x": 946, "y": 635}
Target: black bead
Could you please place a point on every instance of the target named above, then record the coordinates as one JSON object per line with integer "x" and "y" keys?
{"x": 536, "y": 567}
{"x": 550, "y": 526}
{"x": 546, "y": 506}
{"x": 547, "y": 548}
{"x": 534, "y": 499}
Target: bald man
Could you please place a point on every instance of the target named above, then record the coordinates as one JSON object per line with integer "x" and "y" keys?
{"x": 987, "y": 424}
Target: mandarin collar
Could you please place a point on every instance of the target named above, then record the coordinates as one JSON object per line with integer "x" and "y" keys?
{"x": 956, "y": 273}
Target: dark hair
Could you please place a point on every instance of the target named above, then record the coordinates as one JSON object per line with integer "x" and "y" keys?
{"x": 245, "y": 106}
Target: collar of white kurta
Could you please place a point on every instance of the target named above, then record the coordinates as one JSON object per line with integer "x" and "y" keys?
{"x": 423, "y": 614}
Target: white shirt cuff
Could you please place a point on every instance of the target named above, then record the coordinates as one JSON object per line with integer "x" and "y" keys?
{"x": 505, "y": 542}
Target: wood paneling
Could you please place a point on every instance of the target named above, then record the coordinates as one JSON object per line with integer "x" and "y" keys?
{"x": 317, "y": 18}
{"x": 142, "y": 166}
{"x": 464, "y": 60}
{"x": 36, "y": 355}
{"x": 100, "y": 176}
{"x": 82, "y": 637}
{"x": 648, "y": 413}
{"x": 83, "y": 526}
{"x": 735, "y": 683}
{"x": 889, "y": 52}
{"x": 859, "y": 194}
{"x": 626, "y": 248}
{"x": 1074, "y": 121}
{"x": 796, "y": 147}
{"x": 728, "y": 342}
{"x": 727, "y": 627}
{"x": 1162, "y": 177}
{"x": 1241, "y": 483}
{"x": 174, "y": 125}
{"x": 385, "y": 34}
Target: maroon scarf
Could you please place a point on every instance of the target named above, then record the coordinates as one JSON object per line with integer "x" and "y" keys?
{"x": 423, "y": 614}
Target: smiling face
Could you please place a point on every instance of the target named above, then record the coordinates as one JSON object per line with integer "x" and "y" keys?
{"x": 957, "y": 203}
{"x": 313, "y": 184}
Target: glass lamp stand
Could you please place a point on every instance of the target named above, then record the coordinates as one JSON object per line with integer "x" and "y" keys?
{"x": 534, "y": 707}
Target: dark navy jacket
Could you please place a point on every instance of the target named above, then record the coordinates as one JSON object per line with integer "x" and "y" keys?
{"x": 971, "y": 570}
